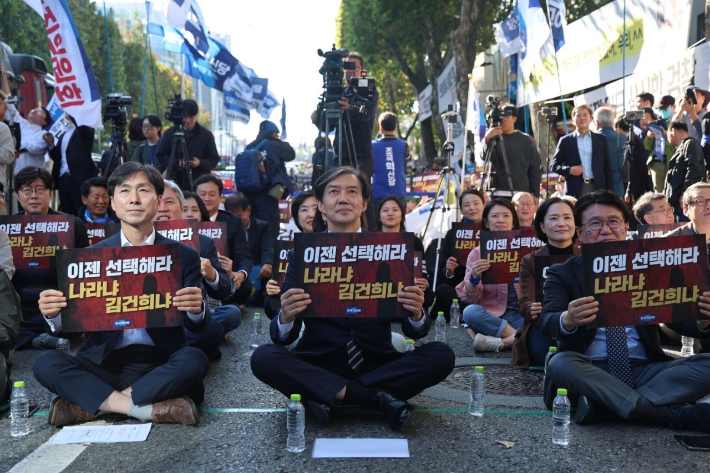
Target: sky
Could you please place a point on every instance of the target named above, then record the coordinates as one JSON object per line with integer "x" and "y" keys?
{"x": 279, "y": 39}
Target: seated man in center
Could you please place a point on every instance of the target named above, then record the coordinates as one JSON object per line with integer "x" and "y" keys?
{"x": 318, "y": 368}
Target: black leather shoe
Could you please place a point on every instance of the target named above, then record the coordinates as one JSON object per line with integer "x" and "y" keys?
{"x": 587, "y": 411}
{"x": 696, "y": 417}
{"x": 396, "y": 412}
{"x": 320, "y": 412}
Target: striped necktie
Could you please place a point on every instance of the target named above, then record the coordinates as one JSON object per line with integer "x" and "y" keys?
{"x": 355, "y": 357}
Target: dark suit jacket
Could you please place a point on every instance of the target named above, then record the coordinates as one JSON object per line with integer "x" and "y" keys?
{"x": 200, "y": 144}
{"x": 567, "y": 155}
{"x": 208, "y": 250}
{"x": 326, "y": 335}
{"x": 236, "y": 241}
{"x": 81, "y": 166}
{"x": 564, "y": 284}
{"x": 639, "y": 180}
{"x": 10, "y": 316}
{"x": 261, "y": 245}
{"x": 99, "y": 345}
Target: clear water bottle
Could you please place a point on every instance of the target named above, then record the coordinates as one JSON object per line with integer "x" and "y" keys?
{"x": 19, "y": 410}
{"x": 688, "y": 349}
{"x": 455, "y": 312}
{"x": 296, "y": 424}
{"x": 440, "y": 335}
{"x": 255, "y": 330}
{"x": 549, "y": 356}
{"x": 560, "y": 419}
{"x": 478, "y": 391}
{"x": 410, "y": 345}
{"x": 63, "y": 345}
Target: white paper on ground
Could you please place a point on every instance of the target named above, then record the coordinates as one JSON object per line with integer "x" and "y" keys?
{"x": 361, "y": 448}
{"x": 103, "y": 434}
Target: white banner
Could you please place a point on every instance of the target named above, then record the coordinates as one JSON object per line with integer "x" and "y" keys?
{"x": 425, "y": 103}
{"x": 446, "y": 88}
{"x": 76, "y": 88}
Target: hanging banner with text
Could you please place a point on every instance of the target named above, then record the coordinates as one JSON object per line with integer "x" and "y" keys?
{"x": 217, "y": 231}
{"x": 354, "y": 274}
{"x": 638, "y": 282}
{"x": 35, "y": 239}
{"x": 467, "y": 236}
{"x": 504, "y": 250}
{"x": 117, "y": 288}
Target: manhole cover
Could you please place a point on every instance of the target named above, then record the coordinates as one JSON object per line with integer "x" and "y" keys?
{"x": 500, "y": 380}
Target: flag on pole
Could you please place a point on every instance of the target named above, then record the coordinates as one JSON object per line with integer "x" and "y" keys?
{"x": 507, "y": 34}
{"x": 283, "y": 120}
{"x": 76, "y": 89}
{"x": 557, "y": 14}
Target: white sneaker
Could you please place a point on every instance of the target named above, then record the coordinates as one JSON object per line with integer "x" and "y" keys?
{"x": 483, "y": 343}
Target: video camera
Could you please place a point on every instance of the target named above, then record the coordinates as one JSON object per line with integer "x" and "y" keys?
{"x": 360, "y": 89}
{"x": 496, "y": 112}
{"x": 177, "y": 112}
{"x": 115, "y": 110}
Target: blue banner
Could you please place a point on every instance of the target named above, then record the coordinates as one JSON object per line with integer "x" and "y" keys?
{"x": 557, "y": 14}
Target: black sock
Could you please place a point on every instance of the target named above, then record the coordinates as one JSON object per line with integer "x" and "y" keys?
{"x": 356, "y": 393}
{"x": 645, "y": 409}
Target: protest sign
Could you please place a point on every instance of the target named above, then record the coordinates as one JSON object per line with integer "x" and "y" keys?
{"x": 217, "y": 231}
{"x": 117, "y": 288}
{"x": 467, "y": 236}
{"x": 651, "y": 281}
{"x": 35, "y": 239}
{"x": 418, "y": 264}
{"x": 184, "y": 231}
{"x": 425, "y": 183}
{"x": 284, "y": 211}
{"x": 504, "y": 250}
{"x": 100, "y": 231}
{"x": 542, "y": 264}
{"x": 657, "y": 230}
{"x": 281, "y": 263}
{"x": 354, "y": 274}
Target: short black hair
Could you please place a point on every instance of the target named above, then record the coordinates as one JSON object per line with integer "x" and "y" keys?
{"x": 600, "y": 197}
{"x": 400, "y": 204}
{"x": 475, "y": 192}
{"x": 296, "y": 205}
{"x": 205, "y": 178}
{"x": 619, "y": 122}
{"x": 510, "y": 107}
{"x": 542, "y": 213}
{"x": 358, "y": 56}
{"x": 128, "y": 170}
{"x": 154, "y": 120}
{"x": 644, "y": 205}
{"x": 204, "y": 214}
{"x": 92, "y": 182}
{"x": 135, "y": 129}
{"x": 388, "y": 121}
{"x": 678, "y": 125}
{"x": 505, "y": 203}
{"x": 191, "y": 108}
{"x": 236, "y": 201}
{"x": 32, "y": 173}
{"x": 332, "y": 174}
{"x": 47, "y": 116}
{"x": 647, "y": 96}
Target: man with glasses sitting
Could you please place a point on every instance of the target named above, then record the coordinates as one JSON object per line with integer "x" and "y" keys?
{"x": 34, "y": 192}
{"x": 646, "y": 384}
{"x": 652, "y": 208}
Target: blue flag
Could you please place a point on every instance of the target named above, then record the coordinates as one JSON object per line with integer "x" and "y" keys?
{"x": 283, "y": 120}
{"x": 557, "y": 14}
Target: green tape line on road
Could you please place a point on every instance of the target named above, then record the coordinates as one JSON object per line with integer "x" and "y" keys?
{"x": 345, "y": 409}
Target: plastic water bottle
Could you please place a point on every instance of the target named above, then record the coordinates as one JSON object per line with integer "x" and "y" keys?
{"x": 478, "y": 390}
{"x": 296, "y": 424}
{"x": 410, "y": 345}
{"x": 549, "y": 356}
{"x": 440, "y": 335}
{"x": 19, "y": 409}
{"x": 687, "y": 349}
{"x": 455, "y": 312}
{"x": 63, "y": 345}
{"x": 560, "y": 419}
{"x": 255, "y": 330}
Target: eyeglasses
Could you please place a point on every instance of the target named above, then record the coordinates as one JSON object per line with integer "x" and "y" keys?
{"x": 700, "y": 202}
{"x": 2, "y": 195}
{"x": 596, "y": 225}
{"x": 28, "y": 191}
{"x": 667, "y": 211}
{"x": 147, "y": 127}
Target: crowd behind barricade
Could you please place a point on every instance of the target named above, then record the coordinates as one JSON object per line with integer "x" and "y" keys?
{"x": 652, "y": 171}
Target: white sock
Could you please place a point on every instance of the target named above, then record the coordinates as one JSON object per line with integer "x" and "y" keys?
{"x": 140, "y": 412}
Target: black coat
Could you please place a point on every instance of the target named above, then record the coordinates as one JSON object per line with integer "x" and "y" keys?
{"x": 567, "y": 155}
{"x": 261, "y": 245}
{"x": 81, "y": 166}
{"x": 685, "y": 168}
{"x": 199, "y": 145}
{"x": 208, "y": 250}
{"x": 639, "y": 180}
{"x": 237, "y": 243}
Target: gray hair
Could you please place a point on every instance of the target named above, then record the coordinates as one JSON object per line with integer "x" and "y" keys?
{"x": 175, "y": 188}
{"x": 605, "y": 116}
{"x": 693, "y": 191}
{"x": 643, "y": 205}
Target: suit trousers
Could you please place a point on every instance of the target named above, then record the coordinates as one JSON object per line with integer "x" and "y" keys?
{"x": 661, "y": 382}
{"x": 266, "y": 208}
{"x": 152, "y": 377}
{"x": 321, "y": 377}
{"x": 69, "y": 195}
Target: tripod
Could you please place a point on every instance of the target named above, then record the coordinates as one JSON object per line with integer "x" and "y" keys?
{"x": 118, "y": 152}
{"x": 444, "y": 182}
{"x": 331, "y": 116}
{"x": 495, "y": 143}
{"x": 179, "y": 160}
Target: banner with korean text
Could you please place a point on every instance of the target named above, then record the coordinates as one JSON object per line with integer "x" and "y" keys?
{"x": 504, "y": 250}
{"x": 35, "y": 239}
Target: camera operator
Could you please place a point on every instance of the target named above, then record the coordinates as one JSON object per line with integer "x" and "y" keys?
{"x": 202, "y": 154}
{"x": 636, "y": 174}
{"x": 693, "y": 109}
{"x": 523, "y": 157}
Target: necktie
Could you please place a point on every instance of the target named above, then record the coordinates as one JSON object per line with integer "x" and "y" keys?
{"x": 354, "y": 356}
{"x": 618, "y": 355}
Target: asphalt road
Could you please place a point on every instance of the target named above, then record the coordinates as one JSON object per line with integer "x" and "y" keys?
{"x": 441, "y": 436}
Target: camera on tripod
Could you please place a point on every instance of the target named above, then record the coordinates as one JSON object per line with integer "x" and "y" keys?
{"x": 115, "y": 109}
{"x": 496, "y": 112}
{"x": 177, "y": 112}
{"x": 633, "y": 115}
{"x": 359, "y": 90}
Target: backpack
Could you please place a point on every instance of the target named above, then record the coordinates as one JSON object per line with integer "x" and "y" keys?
{"x": 249, "y": 170}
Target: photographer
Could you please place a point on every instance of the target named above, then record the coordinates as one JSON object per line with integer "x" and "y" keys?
{"x": 523, "y": 157}
{"x": 693, "y": 109}
{"x": 202, "y": 154}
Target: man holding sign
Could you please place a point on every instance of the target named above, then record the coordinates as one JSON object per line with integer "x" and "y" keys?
{"x": 349, "y": 360}
{"x": 623, "y": 369}
{"x": 146, "y": 374}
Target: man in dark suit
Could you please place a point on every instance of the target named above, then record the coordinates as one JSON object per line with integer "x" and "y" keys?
{"x": 349, "y": 360}
{"x": 261, "y": 246}
{"x": 149, "y": 374}
{"x": 33, "y": 186}
{"x": 209, "y": 188}
{"x": 72, "y": 164}
{"x": 583, "y": 157}
{"x": 622, "y": 369}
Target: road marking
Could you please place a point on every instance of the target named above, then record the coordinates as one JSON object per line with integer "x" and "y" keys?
{"x": 49, "y": 458}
